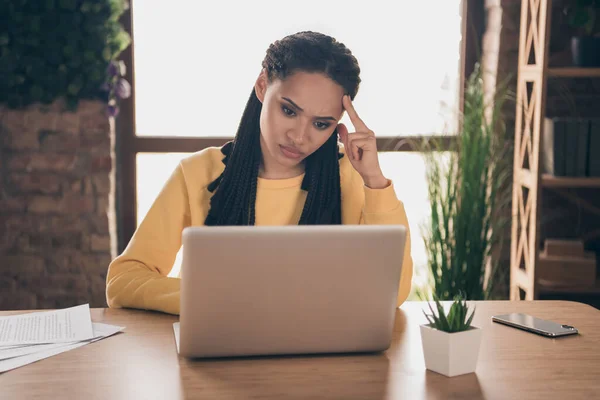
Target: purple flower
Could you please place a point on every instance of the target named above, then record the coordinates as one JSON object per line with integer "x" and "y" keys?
{"x": 117, "y": 87}
{"x": 123, "y": 89}
{"x": 122, "y": 68}
{"x": 112, "y": 111}
{"x": 113, "y": 69}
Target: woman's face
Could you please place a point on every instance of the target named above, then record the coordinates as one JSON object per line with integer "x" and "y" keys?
{"x": 298, "y": 115}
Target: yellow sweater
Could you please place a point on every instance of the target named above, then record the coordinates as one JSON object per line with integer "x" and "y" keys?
{"x": 138, "y": 277}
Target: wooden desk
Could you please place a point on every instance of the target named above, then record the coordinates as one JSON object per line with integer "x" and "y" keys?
{"x": 142, "y": 363}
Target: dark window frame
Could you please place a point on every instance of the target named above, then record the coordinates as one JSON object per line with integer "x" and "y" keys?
{"x": 128, "y": 144}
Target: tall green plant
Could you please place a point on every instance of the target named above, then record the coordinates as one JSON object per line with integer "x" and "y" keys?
{"x": 469, "y": 193}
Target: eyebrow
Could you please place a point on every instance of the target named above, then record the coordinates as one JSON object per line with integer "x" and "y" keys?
{"x": 300, "y": 109}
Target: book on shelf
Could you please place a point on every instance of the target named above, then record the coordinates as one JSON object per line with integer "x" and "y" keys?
{"x": 581, "y": 133}
{"x": 555, "y": 138}
{"x": 594, "y": 148}
{"x": 570, "y": 150}
{"x": 571, "y": 147}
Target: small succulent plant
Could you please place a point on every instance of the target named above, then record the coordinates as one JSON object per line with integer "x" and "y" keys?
{"x": 456, "y": 320}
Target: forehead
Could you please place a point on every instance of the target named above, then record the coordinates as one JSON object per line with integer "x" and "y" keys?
{"x": 316, "y": 93}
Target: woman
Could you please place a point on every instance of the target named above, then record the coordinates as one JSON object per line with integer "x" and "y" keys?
{"x": 283, "y": 167}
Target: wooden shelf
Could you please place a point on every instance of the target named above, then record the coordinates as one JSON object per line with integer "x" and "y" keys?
{"x": 573, "y": 72}
{"x": 551, "y": 181}
{"x": 549, "y": 288}
{"x": 530, "y": 114}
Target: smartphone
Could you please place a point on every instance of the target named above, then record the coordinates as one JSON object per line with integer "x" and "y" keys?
{"x": 535, "y": 325}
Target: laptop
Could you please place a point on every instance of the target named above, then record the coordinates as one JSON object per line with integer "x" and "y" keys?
{"x": 288, "y": 290}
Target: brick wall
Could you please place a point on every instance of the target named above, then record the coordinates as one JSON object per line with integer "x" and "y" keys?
{"x": 56, "y": 188}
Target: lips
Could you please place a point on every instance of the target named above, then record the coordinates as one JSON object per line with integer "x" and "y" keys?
{"x": 291, "y": 152}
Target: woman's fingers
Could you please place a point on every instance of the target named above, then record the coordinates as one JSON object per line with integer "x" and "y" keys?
{"x": 358, "y": 142}
{"x": 358, "y": 123}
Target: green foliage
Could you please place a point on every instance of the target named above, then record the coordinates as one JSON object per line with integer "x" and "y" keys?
{"x": 457, "y": 319}
{"x": 583, "y": 15}
{"x": 58, "y": 48}
{"x": 469, "y": 195}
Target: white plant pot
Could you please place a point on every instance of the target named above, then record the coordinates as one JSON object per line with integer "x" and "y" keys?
{"x": 450, "y": 354}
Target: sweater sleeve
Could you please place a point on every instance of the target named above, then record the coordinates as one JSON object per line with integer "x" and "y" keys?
{"x": 382, "y": 207}
{"x": 138, "y": 278}
{"x": 378, "y": 207}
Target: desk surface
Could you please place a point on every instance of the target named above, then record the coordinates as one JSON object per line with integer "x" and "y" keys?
{"x": 142, "y": 363}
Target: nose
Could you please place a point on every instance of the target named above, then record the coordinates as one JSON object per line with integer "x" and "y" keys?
{"x": 299, "y": 132}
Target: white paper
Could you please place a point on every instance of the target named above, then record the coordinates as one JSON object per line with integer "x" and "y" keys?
{"x": 57, "y": 326}
{"x": 101, "y": 331}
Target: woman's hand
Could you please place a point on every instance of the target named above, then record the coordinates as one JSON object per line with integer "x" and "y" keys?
{"x": 361, "y": 148}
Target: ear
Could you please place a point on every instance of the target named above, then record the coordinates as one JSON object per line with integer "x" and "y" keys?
{"x": 260, "y": 87}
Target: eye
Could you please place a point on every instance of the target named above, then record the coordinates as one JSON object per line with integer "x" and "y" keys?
{"x": 287, "y": 111}
{"x": 321, "y": 125}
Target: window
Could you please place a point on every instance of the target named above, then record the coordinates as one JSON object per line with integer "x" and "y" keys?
{"x": 192, "y": 78}
{"x": 195, "y": 73}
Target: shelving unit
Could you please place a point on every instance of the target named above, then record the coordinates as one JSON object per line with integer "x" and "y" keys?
{"x": 529, "y": 181}
{"x": 549, "y": 288}
{"x": 550, "y": 181}
{"x": 574, "y": 72}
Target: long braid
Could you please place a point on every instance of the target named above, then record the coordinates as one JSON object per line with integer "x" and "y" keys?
{"x": 253, "y": 183}
{"x": 234, "y": 198}
{"x": 323, "y": 184}
{"x": 233, "y": 188}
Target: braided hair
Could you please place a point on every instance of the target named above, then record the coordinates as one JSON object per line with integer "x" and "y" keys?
{"x": 234, "y": 198}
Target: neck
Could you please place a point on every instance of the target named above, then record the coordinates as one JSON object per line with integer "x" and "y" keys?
{"x": 272, "y": 170}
